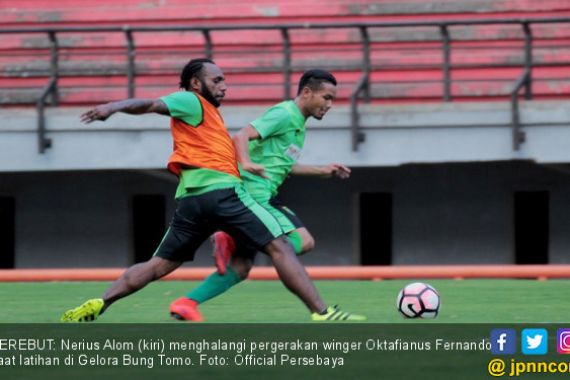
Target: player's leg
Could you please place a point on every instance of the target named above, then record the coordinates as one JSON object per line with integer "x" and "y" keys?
{"x": 234, "y": 272}
{"x": 257, "y": 226}
{"x": 186, "y": 308}
{"x": 137, "y": 277}
{"x": 293, "y": 274}
{"x": 223, "y": 243}
{"x": 298, "y": 235}
{"x": 214, "y": 285}
{"x": 184, "y": 236}
{"x": 229, "y": 275}
{"x": 133, "y": 279}
{"x": 223, "y": 248}
{"x": 302, "y": 241}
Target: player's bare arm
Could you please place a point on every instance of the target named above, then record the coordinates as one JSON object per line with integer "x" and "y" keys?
{"x": 131, "y": 106}
{"x": 241, "y": 141}
{"x": 326, "y": 171}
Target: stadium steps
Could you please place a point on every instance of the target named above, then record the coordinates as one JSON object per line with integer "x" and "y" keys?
{"x": 406, "y": 62}
{"x": 113, "y": 12}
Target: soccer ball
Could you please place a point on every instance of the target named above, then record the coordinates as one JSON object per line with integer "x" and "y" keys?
{"x": 418, "y": 300}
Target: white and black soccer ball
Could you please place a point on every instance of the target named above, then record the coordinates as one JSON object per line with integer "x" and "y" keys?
{"x": 418, "y": 300}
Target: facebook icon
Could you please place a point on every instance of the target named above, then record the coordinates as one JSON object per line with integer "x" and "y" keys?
{"x": 503, "y": 341}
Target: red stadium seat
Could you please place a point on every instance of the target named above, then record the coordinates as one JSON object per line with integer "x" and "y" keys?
{"x": 406, "y": 61}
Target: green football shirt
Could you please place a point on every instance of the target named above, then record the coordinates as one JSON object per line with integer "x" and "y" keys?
{"x": 282, "y": 136}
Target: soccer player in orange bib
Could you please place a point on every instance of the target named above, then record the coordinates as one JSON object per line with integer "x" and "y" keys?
{"x": 210, "y": 196}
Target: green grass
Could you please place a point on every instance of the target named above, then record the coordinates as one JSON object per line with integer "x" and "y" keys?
{"x": 463, "y": 301}
{"x": 499, "y": 303}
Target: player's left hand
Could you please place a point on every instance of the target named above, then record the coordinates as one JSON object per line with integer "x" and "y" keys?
{"x": 337, "y": 170}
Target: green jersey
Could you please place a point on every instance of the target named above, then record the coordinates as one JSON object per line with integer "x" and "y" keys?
{"x": 282, "y": 136}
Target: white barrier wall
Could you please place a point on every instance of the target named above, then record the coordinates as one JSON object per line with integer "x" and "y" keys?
{"x": 395, "y": 135}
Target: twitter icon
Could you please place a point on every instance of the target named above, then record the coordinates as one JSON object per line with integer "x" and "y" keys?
{"x": 534, "y": 341}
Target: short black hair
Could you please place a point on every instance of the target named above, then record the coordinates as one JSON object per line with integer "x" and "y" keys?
{"x": 192, "y": 69}
{"x": 313, "y": 79}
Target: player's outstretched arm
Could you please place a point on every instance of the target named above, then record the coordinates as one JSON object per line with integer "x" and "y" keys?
{"x": 330, "y": 170}
{"x": 132, "y": 106}
{"x": 241, "y": 143}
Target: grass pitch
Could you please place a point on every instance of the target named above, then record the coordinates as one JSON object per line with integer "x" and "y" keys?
{"x": 463, "y": 301}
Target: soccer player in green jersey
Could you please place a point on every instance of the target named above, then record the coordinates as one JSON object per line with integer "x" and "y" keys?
{"x": 210, "y": 196}
{"x": 268, "y": 150}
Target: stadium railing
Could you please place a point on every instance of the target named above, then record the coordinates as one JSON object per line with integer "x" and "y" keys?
{"x": 356, "y": 59}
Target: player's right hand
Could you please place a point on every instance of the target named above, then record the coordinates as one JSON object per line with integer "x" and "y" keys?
{"x": 254, "y": 168}
{"x": 101, "y": 112}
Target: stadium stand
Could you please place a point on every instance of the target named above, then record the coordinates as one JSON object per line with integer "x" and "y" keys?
{"x": 405, "y": 62}
{"x": 433, "y": 157}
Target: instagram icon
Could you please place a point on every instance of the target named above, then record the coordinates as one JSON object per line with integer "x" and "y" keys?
{"x": 563, "y": 341}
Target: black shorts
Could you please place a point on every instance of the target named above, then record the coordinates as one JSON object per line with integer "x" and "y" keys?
{"x": 231, "y": 210}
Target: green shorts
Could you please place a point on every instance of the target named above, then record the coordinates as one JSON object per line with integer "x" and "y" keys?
{"x": 287, "y": 219}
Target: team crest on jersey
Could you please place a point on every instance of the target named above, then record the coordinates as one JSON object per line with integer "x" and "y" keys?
{"x": 293, "y": 152}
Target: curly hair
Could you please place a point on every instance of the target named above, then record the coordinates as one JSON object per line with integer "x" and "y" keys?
{"x": 192, "y": 69}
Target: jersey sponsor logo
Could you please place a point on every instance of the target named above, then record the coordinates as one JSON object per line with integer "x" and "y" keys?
{"x": 293, "y": 152}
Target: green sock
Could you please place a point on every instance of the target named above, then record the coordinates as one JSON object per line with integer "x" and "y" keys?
{"x": 214, "y": 285}
{"x": 296, "y": 241}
